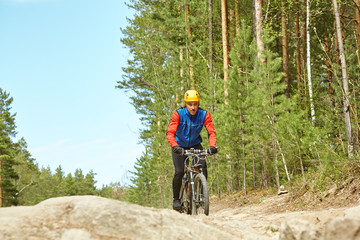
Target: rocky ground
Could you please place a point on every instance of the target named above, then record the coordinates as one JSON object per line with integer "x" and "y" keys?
{"x": 262, "y": 221}
{"x": 234, "y": 217}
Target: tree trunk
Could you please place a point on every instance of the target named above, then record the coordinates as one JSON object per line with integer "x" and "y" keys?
{"x": 253, "y": 167}
{"x": 244, "y": 180}
{"x": 298, "y": 47}
{"x": 357, "y": 15}
{"x": 338, "y": 62}
{"x": 210, "y": 41}
{"x": 159, "y": 125}
{"x": 303, "y": 51}
{"x": 308, "y": 63}
{"x": 188, "y": 42}
{"x": 225, "y": 41}
{"x": 329, "y": 70}
{"x": 274, "y": 143}
{"x": 276, "y": 162}
{"x": 357, "y": 128}
{"x": 346, "y": 92}
{"x": 263, "y": 174}
{"x": 284, "y": 162}
{"x": 231, "y": 28}
{"x": 285, "y": 49}
{"x": 226, "y": 63}
{"x": 181, "y": 74}
{"x": 243, "y": 156}
{"x": 258, "y": 29}
{"x": 318, "y": 155}
{"x": 217, "y": 177}
{"x": 237, "y": 15}
{"x": 301, "y": 162}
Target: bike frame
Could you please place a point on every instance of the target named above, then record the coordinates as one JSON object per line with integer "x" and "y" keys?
{"x": 192, "y": 169}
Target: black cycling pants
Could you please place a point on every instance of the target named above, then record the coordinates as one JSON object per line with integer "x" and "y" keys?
{"x": 179, "y": 165}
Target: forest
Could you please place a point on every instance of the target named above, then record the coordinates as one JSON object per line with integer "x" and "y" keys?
{"x": 280, "y": 79}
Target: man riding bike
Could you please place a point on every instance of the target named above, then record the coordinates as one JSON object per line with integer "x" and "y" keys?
{"x": 184, "y": 133}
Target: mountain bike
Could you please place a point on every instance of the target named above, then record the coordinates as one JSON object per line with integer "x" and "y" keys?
{"x": 194, "y": 192}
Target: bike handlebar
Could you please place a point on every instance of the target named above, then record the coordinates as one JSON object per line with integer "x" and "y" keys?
{"x": 193, "y": 151}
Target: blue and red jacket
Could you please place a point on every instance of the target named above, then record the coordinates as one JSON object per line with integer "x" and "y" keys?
{"x": 184, "y": 129}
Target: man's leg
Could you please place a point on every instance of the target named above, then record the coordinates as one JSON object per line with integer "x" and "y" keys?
{"x": 178, "y": 161}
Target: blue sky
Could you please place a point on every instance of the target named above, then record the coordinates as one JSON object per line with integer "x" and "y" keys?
{"x": 60, "y": 61}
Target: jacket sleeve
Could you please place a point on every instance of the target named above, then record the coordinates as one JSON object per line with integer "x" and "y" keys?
{"x": 211, "y": 130}
{"x": 171, "y": 131}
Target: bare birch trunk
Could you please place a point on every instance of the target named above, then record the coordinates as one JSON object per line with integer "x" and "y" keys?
{"x": 258, "y": 29}
{"x": 338, "y": 62}
{"x": 346, "y": 92}
{"x": 308, "y": 63}
{"x": 284, "y": 161}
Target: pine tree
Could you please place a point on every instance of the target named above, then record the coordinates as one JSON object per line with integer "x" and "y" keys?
{"x": 27, "y": 171}
{"x": 8, "y": 191}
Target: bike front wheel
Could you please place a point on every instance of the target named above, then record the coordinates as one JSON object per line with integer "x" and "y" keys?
{"x": 201, "y": 203}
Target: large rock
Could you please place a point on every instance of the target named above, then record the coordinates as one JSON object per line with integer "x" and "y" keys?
{"x": 92, "y": 218}
{"x": 297, "y": 229}
{"x": 347, "y": 227}
{"x": 344, "y": 228}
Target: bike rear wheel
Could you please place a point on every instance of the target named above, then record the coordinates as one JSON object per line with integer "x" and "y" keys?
{"x": 201, "y": 204}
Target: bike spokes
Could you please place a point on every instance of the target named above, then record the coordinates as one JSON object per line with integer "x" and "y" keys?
{"x": 201, "y": 195}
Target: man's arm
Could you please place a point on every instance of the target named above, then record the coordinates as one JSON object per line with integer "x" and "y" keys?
{"x": 170, "y": 134}
{"x": 211, "y": 130}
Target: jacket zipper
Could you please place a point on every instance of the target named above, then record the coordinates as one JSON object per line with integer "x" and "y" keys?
{"x": 190, "y": 130}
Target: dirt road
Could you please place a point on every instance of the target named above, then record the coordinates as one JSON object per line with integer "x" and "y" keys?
{"x": 262, "y": 220}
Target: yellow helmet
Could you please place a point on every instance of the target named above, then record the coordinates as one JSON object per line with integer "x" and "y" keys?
{"x": 191, "y": 96}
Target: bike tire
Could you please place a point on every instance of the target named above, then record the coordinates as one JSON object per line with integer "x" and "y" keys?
{"x": 184, "y": 198}
{"x": 201, "y": 204}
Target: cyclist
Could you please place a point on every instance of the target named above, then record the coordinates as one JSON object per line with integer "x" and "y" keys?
{"x": 184, "y": 133}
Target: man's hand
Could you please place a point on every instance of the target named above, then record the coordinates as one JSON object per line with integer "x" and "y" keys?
{"x": 178, "y": 150}
{"x": 212, "y": 150}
